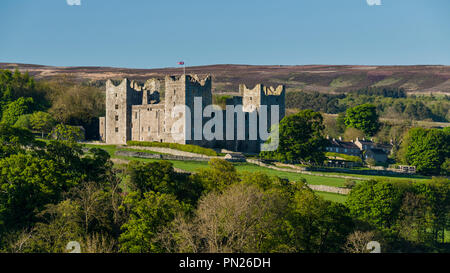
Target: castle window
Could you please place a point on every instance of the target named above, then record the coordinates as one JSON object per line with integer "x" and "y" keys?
{"x": 135, "y": 115}
{"x": 116, "y": 95}
{"x": 117, "y": 129}
{"x": 149, "y": 129}
{"x": 117, "y": 118}
{"x": 116, "y": 106}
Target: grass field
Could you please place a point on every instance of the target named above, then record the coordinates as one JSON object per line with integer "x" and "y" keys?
{"x": 192, "y": 166}
{"x": 339, "y": 198}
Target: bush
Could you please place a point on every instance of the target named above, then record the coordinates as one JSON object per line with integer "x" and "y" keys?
{"x": 349, "y": 184}
{"x": 182, "y": 147}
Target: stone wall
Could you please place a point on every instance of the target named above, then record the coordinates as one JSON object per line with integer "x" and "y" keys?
{"x": 160, "y": 156}
{"x": 329, "y": 189}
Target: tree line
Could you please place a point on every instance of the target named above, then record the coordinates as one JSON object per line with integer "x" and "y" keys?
{"x": 390, "y": 103}
{"x": 40, "y": 105}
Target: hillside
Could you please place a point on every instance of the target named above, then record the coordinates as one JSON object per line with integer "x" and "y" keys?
{"x": 226, "y": 78}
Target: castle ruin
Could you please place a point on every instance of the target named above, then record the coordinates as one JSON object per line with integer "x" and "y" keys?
{"x": 136, "y": 112}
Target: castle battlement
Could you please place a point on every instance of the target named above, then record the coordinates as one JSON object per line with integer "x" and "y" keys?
{"x": 191, "y": 79}
{"x": 261, "y": 89}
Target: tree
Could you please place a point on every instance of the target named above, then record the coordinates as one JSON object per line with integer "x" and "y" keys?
{"x": 77, "y": 104}
{"x": 427, "y": 149}
{"x": 14, "y": 140}
{"x": 363, "y": 117}
{"x": 414, "y": 221}
{"x": 148, "y": 215}
{"x": 301, "y": 138}
{"x": 242, "y": 218}
{"x": 59, "y": 224}
{"x": 15, "y": 109}
{"x": 445, "y": 167}
{"x": 23, "y": 122}
{"x": 358, "y": 240}
{"x": 376, "y": 202}
{"x": 27, "y": 184}
{"x": 219, "y": 176}
{"x": 42, "y": 121}
{"x": 160, "y": 177}
{"x": 437, "y": 196}
{"x": 316, "y": 225}
{"x": 67, "y": 133}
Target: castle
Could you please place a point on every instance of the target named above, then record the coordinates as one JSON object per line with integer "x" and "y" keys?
{"x": 137, "y": 112}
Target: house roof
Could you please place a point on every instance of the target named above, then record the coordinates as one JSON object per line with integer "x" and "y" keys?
{"x": 365, "y": 141}
{"x": 377, "y": 151}
{"x": 384, "y": 146}
{"x": 342, "y": 144}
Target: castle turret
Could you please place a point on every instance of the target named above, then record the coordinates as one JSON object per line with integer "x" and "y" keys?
{"x": 181, "y": 91}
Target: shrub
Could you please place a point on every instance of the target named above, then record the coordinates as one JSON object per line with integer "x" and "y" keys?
{"x": 182, "y": 147}
{"x": 349, "y": 184}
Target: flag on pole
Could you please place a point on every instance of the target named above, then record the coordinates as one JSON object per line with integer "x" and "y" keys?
{"x": 181, "y": 63}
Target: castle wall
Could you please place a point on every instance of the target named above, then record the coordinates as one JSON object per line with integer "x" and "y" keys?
{"x": 147, "y": 123}
{"x": 135, "y": 112}
{"x": 117, "y": 112}
{"x": 175, "y": 94}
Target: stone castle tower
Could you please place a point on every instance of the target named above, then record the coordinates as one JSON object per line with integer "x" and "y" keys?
{"x": 136, "y": 112}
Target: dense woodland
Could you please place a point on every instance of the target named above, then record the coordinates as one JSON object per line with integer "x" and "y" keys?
{"x": 53, "y": 192}
{"x": 390, "y": 103}
{"x": 63, "y": 99}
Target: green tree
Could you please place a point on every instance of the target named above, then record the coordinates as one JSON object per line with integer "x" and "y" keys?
{"x": 14, "y": 140}
{"x": 427, "y": 149}
{"x": 42, "y": 121}
{"x": 148, "y": 215}
{"x": 159, "y": 176}
{"x": 23, "y": 122}
{"x": 316, "y": 225}
{"x": 67, "y": 133}
{"x": 445, "y": 167}
{"x": 363, "y": 117}
{"x": 15, "y": 109}
{"x": 220, "y": 175}
{"x": 301, "y": 138}
{"x": 27, "y": 184}
{"x": 376, "y": 202}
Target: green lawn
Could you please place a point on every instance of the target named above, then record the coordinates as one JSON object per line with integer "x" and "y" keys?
{"x": 339, "y": 198}
{"x": 193, "y": 166}
{"x": 311, "y": 179}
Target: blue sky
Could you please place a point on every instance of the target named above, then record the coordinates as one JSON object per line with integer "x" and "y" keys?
{"x": 159, "y": 33}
